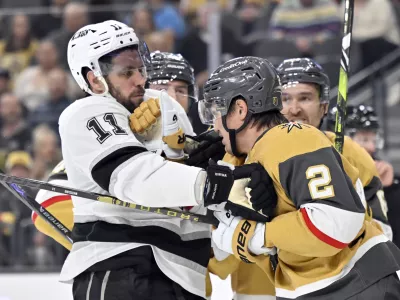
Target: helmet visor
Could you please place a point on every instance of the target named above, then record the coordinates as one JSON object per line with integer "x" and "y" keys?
{"x": 211, "y": 110}
{"x": 177, "y": 89}
{"x": 126, "y": 62}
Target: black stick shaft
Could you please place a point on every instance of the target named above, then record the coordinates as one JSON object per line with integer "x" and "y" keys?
{"x": 343, "y": 76}
{"x": 30, "y": 202}
{"x": 106, "y": 199}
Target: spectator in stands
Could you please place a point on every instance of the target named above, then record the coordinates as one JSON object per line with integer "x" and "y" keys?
{"x": 33, "y": 84}
{"x": 190, "y": 7}
{"x": 375, "y": 27}
{"x": 103, "y": 14}
{"x": 12, "y": 211}
{"x": 42, "y": 25}
{"x": 249, "y": 13}
{"x": 306, "y": 22}
{"x": 46, "y": 152}
{"x": 142, "y": 22}
{"x": 15, "y": 133}
{"x": 75, "y": 16}
{"x": 18, "y": 48}
{"x": 167, "y": 17}
{"x": 49, "y": 112}
{"x": 194, "y": 46}
{"x": 4, "y": 81}
{"x": 161, "y": 41}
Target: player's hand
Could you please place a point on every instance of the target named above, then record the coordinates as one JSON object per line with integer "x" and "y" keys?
{"x": 385, "y": 171}
{"x": 218, "y": 184}
{"x": 145, "y": 116}
{"x": 173, "y": 136}
{"x": 263, "y": 196}
{"x": 240, "y": 237}
{"x": 253, "y": 195}
{"x": 202, "y": 148}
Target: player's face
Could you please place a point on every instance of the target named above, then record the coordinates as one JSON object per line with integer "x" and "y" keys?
{"x": 177, "y": 89}
{"x": 127, "y": 78}
{"x": 301, "y": 103}
{"x": 234, "y": 120}
{"x": 367, "y": 140}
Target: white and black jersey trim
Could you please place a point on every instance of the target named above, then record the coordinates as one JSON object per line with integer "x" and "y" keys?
{"x": 103, "y": 169}
{"x": 197, "y": 251}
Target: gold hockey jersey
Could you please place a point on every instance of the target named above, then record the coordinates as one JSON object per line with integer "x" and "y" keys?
{"x": 368, "y": 174}
{"x": 326, "y": 247}
{"x": 248, "y": 280}
{"x": 59, "y": 205}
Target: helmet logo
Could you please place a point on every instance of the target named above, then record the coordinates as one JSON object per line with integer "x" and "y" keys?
{"x": 82, "y": 33}
{"x": 236, "y": 64}
{"x": 275, "y": 101}
{"x": 175, "y": 67}
{"x": 116, "y": 27}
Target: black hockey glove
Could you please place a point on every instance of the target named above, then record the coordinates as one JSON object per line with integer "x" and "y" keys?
{"x": 263, "y": 195}
{"x": 202, "y": 148}
{"x": 218, "y": 184}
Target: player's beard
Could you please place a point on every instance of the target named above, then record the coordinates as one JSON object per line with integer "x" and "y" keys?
{"x": 126, "y": 102}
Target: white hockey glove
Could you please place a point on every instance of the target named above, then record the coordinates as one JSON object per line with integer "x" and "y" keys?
{"x": 240, "y": 237}
{"x": 155, "y": 123}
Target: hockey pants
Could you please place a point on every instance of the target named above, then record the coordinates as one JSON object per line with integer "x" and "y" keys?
{"x": 142, "y": 280}
{"x": 388, "y": 288}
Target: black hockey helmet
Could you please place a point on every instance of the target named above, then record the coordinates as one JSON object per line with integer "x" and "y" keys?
{"x": 166, "y": 66}
{"x": 252, "y": 78}
{"x": 304, "y": 70}
{"x": 361, "y": 117}
{"x": 358, "y": 118}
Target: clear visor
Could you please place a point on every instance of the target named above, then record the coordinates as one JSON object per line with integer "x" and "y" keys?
{"x": 368, "y": 139}
{"x": 211, "y": 110}
{"x": 176, "y": 89}
{"x": 127, "y": 63}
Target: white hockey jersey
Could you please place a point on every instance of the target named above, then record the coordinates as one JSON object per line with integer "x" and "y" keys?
{"x": 102, "y": 155}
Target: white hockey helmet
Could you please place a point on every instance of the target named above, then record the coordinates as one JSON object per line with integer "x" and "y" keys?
{"x": 93, "y": 41}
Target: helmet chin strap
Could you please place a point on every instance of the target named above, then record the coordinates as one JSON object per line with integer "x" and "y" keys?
{"x": 233, "y": 132}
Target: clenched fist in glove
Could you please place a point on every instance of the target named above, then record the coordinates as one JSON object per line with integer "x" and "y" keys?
{"x": 240, "y": 237}
{"x": 218, "y": 184}
{"x": 202, "y": 148}
{"x": 260, "y": 188}
{"x": 157, "y": 125}
{"x": 145, "y": 116}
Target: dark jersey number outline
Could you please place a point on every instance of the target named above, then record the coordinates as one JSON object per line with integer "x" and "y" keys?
{"x": 102, "y": 134}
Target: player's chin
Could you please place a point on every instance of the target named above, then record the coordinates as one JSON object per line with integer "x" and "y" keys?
{"x": 137, "y": 99}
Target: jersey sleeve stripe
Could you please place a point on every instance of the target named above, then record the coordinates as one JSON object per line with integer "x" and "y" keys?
{"x": 50, "y": 202}
{"x": 319, "y": 234}
{"x": 102, "y": 171}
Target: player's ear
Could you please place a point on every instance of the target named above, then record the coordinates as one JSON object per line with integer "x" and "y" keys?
{"x": 241, "y": 107}
{"x": 325, "y": 108}
{"x": 95, "y": 84}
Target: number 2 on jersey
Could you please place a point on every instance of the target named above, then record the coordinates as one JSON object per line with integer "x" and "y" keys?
{"x": 102, "y": 134}
{"x": 320, "y": 178}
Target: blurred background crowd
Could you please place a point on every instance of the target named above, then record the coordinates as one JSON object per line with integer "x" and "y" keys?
{"x": 36, "y": 86}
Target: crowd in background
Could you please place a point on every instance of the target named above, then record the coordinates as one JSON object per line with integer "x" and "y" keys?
{"x": 36, "y": 86}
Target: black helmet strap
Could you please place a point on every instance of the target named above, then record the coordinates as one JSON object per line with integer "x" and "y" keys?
{"x": 233, "y": 132}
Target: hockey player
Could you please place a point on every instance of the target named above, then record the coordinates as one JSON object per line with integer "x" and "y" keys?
{"x": 173, "y": 73}
{"x": 118, "y": 253}
{"x": 362, "y": 125}
{"x": 327, "y": 248}
{"x": 305, "y": 99}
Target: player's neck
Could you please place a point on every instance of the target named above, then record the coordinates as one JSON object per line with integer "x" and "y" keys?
{"x": 248, "y": 138}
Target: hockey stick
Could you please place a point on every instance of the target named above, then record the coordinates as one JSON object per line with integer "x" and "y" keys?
{"x": 16, "y": 181}
{"x": 30, "y": 202}
{"x": 343, "y": 76}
